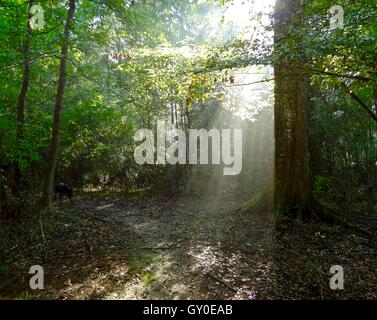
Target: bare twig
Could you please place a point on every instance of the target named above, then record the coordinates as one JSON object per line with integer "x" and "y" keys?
{"x": 221, "y": 281}
{"x": 41, "y": 226}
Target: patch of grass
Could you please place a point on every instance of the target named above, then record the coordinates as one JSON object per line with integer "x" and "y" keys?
{"x": 137, "y": 266}
{"x": 147, "y": 277}
{"x": 23, "y": 296}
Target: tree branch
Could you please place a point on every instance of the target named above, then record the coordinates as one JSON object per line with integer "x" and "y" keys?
{"x": 43, "y": 55}
{"x": 356, "y": 98}
{"x": 346, "y": 76}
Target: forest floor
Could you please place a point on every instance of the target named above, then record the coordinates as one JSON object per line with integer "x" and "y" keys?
{"x": 198, "y": 245}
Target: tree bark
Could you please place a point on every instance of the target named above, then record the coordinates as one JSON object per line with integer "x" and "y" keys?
{"x": 292, "y": 175}
{"x": 54, "y": 148}
{"x": 22, "y": 99}
{"x": 26, "y": 78}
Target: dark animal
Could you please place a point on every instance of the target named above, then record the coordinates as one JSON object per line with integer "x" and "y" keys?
{"x": 63, "y": 190}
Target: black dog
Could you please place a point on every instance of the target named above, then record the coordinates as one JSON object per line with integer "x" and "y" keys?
{"x": 63, "y": 190}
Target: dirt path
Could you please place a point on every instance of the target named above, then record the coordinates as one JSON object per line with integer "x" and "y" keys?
{"x": 196, "y": 246}
{"x": 192, "y": 248}
{"x": 198, "y": 249}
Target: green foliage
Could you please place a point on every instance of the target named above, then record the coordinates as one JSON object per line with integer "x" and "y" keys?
{"x": 4, "y": 269}
{"x": 123, "y": 73}
{"x": 131, "y": 61}
{"x": 138, "y": 267}
{"x": 24, "y": 151}
{"x": 321, "y": 184}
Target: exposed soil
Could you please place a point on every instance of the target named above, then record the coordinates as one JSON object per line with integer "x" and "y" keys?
{"x": 198, "y": 245}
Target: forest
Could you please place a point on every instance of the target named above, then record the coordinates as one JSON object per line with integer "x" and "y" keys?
{"x": 188, "y": 149}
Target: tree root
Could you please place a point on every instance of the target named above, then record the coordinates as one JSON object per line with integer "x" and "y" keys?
{"x": 328, "y": 213}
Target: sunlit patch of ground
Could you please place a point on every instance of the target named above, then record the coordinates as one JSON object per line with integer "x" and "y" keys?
{"x": 198, "y": 247}
{"x": 187, "y": 248}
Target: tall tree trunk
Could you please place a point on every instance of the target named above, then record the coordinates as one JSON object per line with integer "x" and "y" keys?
{"x": 51, "y": 167}
{"x": 26, "y": 78}
{"x": 22, "y": 98}
{"x": 292, "y": 176}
